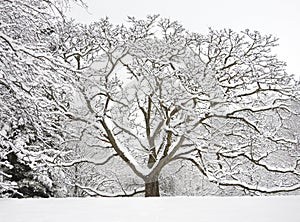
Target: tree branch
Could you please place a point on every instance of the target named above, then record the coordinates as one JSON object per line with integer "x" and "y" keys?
{"x": 90, "y": 161}
{"x": 93, "y": 192}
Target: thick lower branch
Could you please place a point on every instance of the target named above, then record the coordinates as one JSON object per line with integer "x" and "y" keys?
{"x": 93, "y": 192}
{"x": 256, "y": 188}
{"x": 266, "y": 167}
{"x": 116, "y": 147}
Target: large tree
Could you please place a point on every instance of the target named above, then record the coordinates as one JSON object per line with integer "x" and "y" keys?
{"x": 157, "y": 94}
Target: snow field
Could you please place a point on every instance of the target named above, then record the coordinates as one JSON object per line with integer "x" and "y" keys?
{"x": 200, "y": 209}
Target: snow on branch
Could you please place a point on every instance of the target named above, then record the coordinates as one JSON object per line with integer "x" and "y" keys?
{"x": 265, "y": 166}
{"x": 123, "y": 152}
{"x": 37, "y": 55}
{"x": 244, "y": 185}
{"x": 129, "y": 132}
{"x": 93, "y": 192}
{"x": 236, "y": 183}
{"x": 90, "y": 161}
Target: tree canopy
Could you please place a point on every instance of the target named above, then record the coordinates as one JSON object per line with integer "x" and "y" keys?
{"x": 157, "y": 93}
{"x": 146, "y": 94}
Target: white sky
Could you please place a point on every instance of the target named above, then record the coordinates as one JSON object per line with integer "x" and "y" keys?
{"x": 278, "y": 17}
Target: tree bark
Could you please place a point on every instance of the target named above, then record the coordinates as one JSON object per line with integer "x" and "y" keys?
{"x": 152, "y": 187}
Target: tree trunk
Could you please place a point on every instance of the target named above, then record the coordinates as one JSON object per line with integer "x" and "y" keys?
{"x": 152, "y": 187}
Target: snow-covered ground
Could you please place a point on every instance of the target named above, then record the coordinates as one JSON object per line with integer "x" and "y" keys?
{"x": 198, "y": 209}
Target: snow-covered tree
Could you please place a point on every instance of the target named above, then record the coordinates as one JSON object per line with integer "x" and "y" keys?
{"x": 34, "y": 84}
{"x": 141, "y": 98}
{"x": 156, "y": 93}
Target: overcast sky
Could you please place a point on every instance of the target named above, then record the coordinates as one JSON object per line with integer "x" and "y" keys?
{"x": 278, "y": 17}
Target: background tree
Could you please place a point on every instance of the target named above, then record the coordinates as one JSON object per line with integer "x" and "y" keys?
{"x": 159, "y": 94}
{"x": 33, "y": 83}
